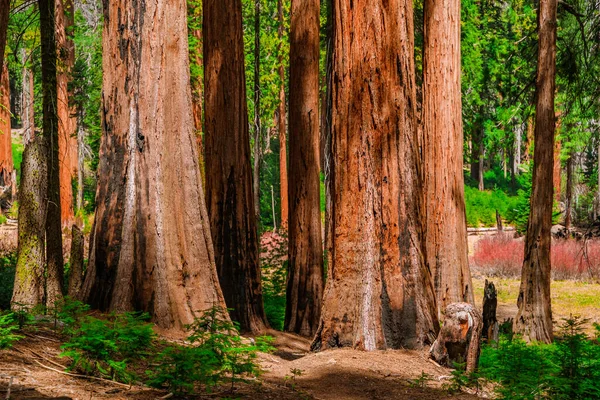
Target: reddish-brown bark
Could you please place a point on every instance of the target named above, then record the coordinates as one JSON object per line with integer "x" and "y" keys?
{"x": 151, "y": 248}
{"x": 281, "y": 125}
{"x": 445, "y": 217}
{"x": 228, "y": 171}
{"x": 556, "y": 182}
{"x": 6, "y": 159}
{"x": 67, "y": 121}
{"x": 379, "y": 293}
{"x": 534, "y": 318}
{"x": 4, "y": 14}
{"x": 305, "y": 265}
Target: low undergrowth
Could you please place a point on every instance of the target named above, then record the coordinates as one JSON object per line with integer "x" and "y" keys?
{"x": 124, "y": 348}
{"x": 502, "y": 256}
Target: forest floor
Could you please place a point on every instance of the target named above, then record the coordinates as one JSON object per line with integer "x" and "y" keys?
{"x": 339, "y": 374}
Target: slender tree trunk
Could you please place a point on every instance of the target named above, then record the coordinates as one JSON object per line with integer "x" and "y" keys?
{"x": 283, "y": 173}
{"x": 28, "y": 102}
{"x": 151, "y": 248}
{"x": 534, "y": 318}
{"x": 446, "y": 247}
{"x": 569, "y": 193}
{"x": 67, "y": 122}
{"x": 195, "y": 11}
{"x": 4, "y": 14}
{"x": 28, "y": 291}
{"x": 228, "y": 168}
{"x": 481, "y": 154}
{"x": 54, "y": 251}
{"x": 379, "y": 291}
{"x": 80, "y": 160}
{"x": 76, "y": 262}
{"x": 529, "y": 142}
{"x": 305, "y": 265}
{"x": 258, "y": 154}
{"x": 326, "y": 132}
{"x": 6, "y": 159}
{"x": 518, "y": 145}
{"x": 556, "y": 183}
{"x": 597, "y": 208}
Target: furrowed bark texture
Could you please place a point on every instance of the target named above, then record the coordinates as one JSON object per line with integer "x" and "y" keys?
{"x": 228, "y": 170}
{"x": 67, "y": 121}
{"x": 445, "y": 216}
{"x": 6, "y": 159}
{"x": 281, "y": 123}
{"x": 379, "y": 292}
{"x": 54, "y": 254}
{"x": 4, "y": 14}
{"x": 151, "y": 248}
{"x": 76, "y": 262}
{"x": 534, "y": 318}
{"x": 305, "y": 262}
{"x": 31, "y": 255}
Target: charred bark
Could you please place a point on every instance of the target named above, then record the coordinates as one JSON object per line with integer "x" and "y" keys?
{"x": 379, "y": 291}
{"x": 445, "y": 216}
{"x": 150, "y": 248}
{"x": 305, "y": 261}
{"x": 228, "y": 170}
{"x": 490, "y": 302}
{"x": 534, "y": 318}
{"x": 458, "y": 339}
{"x": 28, "y": 291}
{"x": 54, "y": 251}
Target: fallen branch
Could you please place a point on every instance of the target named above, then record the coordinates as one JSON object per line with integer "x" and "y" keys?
{"x": 82, "y": 376}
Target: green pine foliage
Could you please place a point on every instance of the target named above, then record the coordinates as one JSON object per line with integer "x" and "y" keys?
{"x": 8, "y": 326}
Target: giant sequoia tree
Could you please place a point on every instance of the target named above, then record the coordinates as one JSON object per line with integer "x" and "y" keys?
{"x": 228, "y": 172}
{"x": 379, "y": 293}
{"x": 305, "y": 268}
{"x": 445, "y": 221}
{"x": 150, "y": 248}
{"x": 534, "y": 318}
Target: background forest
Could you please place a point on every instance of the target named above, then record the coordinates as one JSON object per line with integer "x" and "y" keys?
{"x": 274, "y": 252}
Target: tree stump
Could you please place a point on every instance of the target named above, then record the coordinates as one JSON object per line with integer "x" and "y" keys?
{"x": 490, "y": 302}
{"x": 76, "y": 262}
{"x": 458, "y": 340}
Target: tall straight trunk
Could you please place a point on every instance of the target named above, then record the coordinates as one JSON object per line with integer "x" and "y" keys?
{"x": 534, "y": 318}
{"x": 529, "y": 141}
{"x": 518, "y": 146}
{"x": 67, "y": 121}
{"x": 54, "y": 251}
{"x": 597, "y": 208}
{"x": 257, "y": 123}
{"x": 28, "y": 290}
{"x": 446, "y": 247}
{"x": 481, "y": 155}
{"x": 6, "y": 159}
{"x": 379, "y": 292}
{"x": 569, "y": 192}
{"x": 305, "y": 262}
{"x": 283, "y": 172}
{"x": 228, "y": 170}
{"x": 151, "y": 248}
{"x": 27, "y": 116}
{"x": 4, "y": 14}
{"x": 556, "y": 182}
{"x": 326, "y": 131}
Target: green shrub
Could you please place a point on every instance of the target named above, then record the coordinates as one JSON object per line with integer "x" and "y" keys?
{"x": 105, "y": 347}
{"x": 217, "y": 354}
{"x": 8, "y": 326}
{"x": 3, "y": 219}
{"x": 69, "y": 313}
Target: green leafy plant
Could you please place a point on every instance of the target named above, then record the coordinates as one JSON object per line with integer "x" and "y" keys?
{"x": 105, "y": 347}
{"x": 8, "y": 326}
{"x": 421, "y": 381}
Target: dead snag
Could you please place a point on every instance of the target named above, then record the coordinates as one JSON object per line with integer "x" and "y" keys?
{"x": 490, "y": 301}
{"x": 458, "y": 339}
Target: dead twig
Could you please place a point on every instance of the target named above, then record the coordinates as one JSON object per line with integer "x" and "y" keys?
{"x": 82, "y": 376}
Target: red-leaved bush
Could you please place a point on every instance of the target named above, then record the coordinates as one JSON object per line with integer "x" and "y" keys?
{"x": 501, "y": 255}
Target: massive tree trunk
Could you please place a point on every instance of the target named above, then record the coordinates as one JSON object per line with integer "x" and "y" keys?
{"x": 4, "y": 14}
{"x": 54, "y": 254}
{"x": 151, "y": 248}
{"x": 446, "y": 248}
{"x": 228, "y": 170}
{"x": 6, "y": 159}
{"x": 379, "y": 292}
{"x": 28, "y": 291}
{"x": 283, "y": 172}
{"x": 534, "y": 318}
{"x": 67, "y": 122}
{"x": 305, "y": 265}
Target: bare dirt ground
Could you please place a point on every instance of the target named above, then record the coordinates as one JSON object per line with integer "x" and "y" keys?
{"x": 35, "y": 367}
